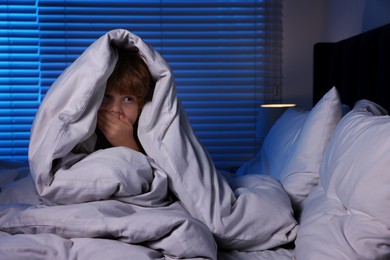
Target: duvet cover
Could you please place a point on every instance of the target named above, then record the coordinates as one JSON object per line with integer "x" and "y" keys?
{"x": 73, "y": 202}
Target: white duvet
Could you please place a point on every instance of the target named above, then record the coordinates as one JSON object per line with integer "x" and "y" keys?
{"x": 118, "y": 203}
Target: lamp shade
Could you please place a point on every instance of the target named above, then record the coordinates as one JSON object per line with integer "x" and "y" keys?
{"x": 267, "y": 116}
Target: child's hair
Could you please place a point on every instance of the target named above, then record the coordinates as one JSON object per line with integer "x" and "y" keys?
{"x": 131, "y": 75}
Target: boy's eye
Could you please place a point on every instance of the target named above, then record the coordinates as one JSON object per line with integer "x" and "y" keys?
{"x": 128, "y": 99}
{"x": 106, "y": 97}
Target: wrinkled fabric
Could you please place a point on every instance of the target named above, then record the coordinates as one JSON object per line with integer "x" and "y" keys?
{"x": 175, "y": 183}
{"x": 347, "y": 215}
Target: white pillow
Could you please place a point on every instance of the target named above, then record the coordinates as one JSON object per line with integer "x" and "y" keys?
{"x": 277, "y": 144}
{"x": 347, "y": 215}
{"x": 292, "y": 150}
{"x": 300, "y": 173}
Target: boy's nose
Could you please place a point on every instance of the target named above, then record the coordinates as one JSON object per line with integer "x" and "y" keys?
{"x": 114, "y": 107}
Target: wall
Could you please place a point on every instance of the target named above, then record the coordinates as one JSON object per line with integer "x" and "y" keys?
{"x": 306, "y": 22}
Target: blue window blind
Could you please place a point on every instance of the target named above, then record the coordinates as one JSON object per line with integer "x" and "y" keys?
{"x": 225, "y": 55}
{"x": 19, "y": 75}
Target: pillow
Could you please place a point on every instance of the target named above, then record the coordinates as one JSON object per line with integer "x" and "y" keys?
{"x": 347, "y": 215}
{"x": 293, "y": 148}
{"x": 11, "y": 170}
{"x": 20, "y": 191}
{"x": 300, "y": 173}
{"x": 277, "y": 144}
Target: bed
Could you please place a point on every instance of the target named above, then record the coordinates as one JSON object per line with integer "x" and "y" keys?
{"x": 316, "y": 189}
{"x": 358, "y": 66}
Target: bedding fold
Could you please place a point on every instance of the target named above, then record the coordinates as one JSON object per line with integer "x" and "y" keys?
{"x": 116, "y": 172}
{"x": 158, "y": 228}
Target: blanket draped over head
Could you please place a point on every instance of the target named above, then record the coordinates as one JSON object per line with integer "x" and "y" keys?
{"x": 91, "y": 188}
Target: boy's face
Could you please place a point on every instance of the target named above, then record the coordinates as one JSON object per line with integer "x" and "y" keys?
{"x": 121, "y": 104}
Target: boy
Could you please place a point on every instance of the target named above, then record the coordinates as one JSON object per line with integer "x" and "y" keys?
{"x": 128, "y": 88}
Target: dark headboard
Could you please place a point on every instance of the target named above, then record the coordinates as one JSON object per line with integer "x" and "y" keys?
{"x": 358, "y": 66}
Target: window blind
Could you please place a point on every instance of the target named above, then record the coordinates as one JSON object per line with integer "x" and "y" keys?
{"x": 225, "y": 56}
{"x": 19, "y": 76}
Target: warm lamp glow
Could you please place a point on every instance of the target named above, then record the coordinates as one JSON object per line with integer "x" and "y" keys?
{"x": 278, "y": 105}
{"x": 268, "y": 115}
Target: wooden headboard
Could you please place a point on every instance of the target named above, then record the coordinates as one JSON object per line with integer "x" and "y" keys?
{"x": 358, "y": 66}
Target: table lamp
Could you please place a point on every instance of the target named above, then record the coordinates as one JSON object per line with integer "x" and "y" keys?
{"x": 267, "y": 116}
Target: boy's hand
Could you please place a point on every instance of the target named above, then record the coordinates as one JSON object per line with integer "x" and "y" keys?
{"x": 118, "y": 129}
